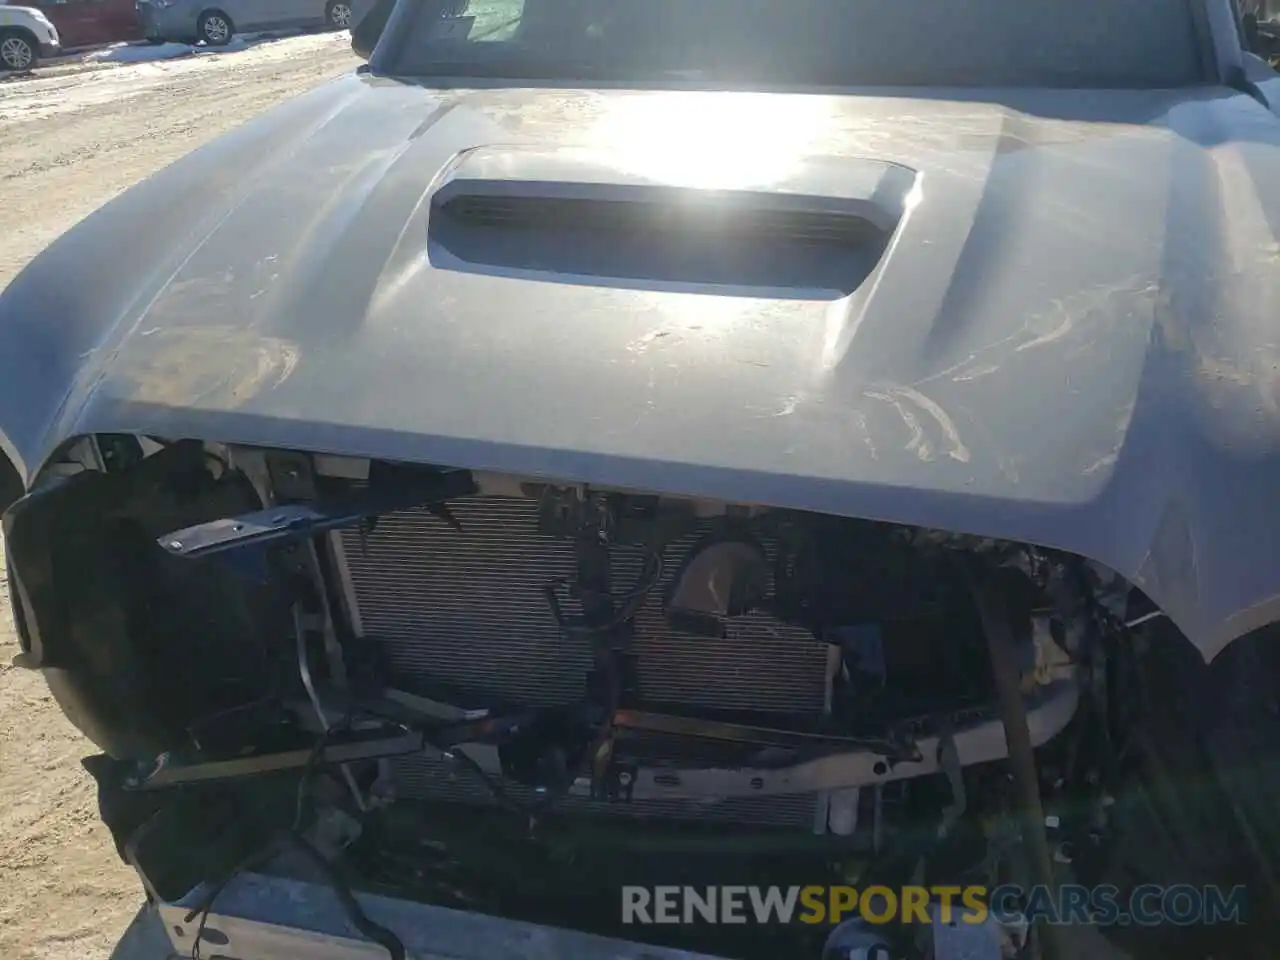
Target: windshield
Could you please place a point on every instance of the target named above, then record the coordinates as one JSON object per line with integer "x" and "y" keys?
{"x": 1028, "y": 43}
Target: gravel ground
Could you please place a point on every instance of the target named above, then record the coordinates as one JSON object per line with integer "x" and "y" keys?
{"x": 70, "y": 140}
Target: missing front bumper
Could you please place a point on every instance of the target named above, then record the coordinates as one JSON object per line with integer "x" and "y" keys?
{"x": 261, "y": 917}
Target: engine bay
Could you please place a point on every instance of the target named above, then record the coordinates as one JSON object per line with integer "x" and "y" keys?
{"x": 512, "y": 696}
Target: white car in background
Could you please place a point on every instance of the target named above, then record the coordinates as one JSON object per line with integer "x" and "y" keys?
{"x": 26, "y": 38}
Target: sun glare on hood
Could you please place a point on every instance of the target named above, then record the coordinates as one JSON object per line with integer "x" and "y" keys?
{"x": 727, "y": 141}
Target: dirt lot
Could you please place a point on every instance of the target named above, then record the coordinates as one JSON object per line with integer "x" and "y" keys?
{"x": 69, "y": 141}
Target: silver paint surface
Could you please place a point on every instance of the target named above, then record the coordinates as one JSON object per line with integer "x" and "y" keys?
{"x": 1073, "y": 338}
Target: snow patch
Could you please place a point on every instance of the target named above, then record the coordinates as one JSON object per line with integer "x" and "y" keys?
{"x": 53, "y": 94}
{"x": 139, "y": 52}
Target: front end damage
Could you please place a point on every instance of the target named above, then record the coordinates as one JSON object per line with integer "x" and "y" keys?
{"x": 513, "y": 696}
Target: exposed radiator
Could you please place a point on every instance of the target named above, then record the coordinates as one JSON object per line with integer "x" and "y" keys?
{"x": 468, "y": 608}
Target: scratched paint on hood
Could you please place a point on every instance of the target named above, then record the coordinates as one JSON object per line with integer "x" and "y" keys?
{"x": 1068, "y": 340}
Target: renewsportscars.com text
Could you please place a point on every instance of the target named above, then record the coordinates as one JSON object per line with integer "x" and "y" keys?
{"x": 1149, "y": 905}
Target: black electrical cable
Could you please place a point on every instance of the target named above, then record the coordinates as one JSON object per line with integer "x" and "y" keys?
{"x": 631, "y": 601}
{"x": 355, "y": 913}
{"x": 359, "y": 919}
{"x": 629, "y": 605}
{"x": 205, "y": 907}
{"x": 493, "y": 785}
{"x": 304, "y": 781}
{"x": 451, "y": 752}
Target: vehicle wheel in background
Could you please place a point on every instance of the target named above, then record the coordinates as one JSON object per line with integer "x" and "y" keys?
{"x": 338, "y": 14}
{"x": 214, "y": 28}
{"x": 17, "y": 50}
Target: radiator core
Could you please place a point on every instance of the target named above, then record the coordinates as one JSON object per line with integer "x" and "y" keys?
{"x": 468, "y": 608}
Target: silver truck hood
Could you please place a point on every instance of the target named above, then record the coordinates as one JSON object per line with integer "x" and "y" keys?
{"x": 1072, "y": 339}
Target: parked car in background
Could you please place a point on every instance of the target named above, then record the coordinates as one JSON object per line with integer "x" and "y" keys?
{"x": 26, "y": 36}
{"x": 215, "y": 22}
{"x": 89, "y": 23}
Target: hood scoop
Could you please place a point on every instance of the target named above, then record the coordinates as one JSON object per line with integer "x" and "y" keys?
{"x": 579, "y": 218}
{"x": 662, "y": 213}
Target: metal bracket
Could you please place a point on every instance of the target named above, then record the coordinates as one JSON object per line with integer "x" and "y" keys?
{"x": 304, "y": 671}
{"x": 170, "y": 771}
{"x": 292, "y": 477}
{"x": 677, "y": 725}
{"x": 574, "y": 512}
{"x": 291, "y": 523}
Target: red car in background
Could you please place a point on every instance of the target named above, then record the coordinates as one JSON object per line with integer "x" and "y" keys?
{"x": 88, "y": 23}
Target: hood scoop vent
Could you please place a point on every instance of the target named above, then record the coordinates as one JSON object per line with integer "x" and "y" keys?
{"x": 662, "y": 215}
{"x": 572, "y": 219}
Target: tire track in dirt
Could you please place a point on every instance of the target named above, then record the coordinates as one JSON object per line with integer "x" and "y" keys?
{"x": 73, "y": 161}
